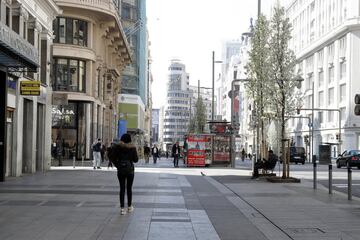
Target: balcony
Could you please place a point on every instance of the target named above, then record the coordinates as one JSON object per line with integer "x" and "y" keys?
{"x": 96, "y": 5}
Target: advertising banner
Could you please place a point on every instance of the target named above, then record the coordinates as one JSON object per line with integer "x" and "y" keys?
{"x": 221, "y": 150}
{"x": 196, "y": 150}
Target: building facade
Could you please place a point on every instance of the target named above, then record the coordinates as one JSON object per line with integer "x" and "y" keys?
{"x": 89, "y": 54}
{"x": 229, "y": 50}
{"x": 326, "y": 43}
{"x": 136, "y": 81}
{"x": 206, "y": 95}
{"x": 25, "y": 116}
{"x": 176, "y": 118}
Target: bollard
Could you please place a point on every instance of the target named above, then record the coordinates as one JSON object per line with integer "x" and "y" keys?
{"x": 330, "y": 178}
{"x": 73, "y": 161}
{"x": 82, "y": 160}
{"x": 349, "y": 183}
{"x": 314, "y": 171}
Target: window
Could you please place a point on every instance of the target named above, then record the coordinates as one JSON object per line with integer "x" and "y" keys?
{"x": 331, "y": 96}
{"x": 125, "y": 12}
{"x": 331, "y": 53}
{"x": 69, "y": 75}
{"x": 70, "y": 31}
{"x": 342, "y": 47}
{"x": 342, "y": 70}
{"x": 331, "y": 74}
{"x": 309, "y": 81}
{"x": 321, "y": 78}
{"x": 7, "y": 16}
{"x": 321, "y": 99}
{"x": 342, "y": 92}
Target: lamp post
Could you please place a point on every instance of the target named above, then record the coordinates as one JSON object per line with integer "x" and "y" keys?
{"x": 213, "y": 86}
{"x": 232, "y": 117}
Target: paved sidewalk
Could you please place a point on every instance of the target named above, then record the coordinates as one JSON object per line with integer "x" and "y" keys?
{"x": 171, "y": 203}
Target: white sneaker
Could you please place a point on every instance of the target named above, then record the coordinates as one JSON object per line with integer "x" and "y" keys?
{"x": 123, "y": 211}
{"x": 130, "y": 209}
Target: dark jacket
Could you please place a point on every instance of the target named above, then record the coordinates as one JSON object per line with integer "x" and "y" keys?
{"x": 123, "y": 152}
{"x": 156, "y": 154}
{"x": 174, "y": 150}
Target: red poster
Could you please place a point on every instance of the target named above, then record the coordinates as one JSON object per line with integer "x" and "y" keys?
{"x": 196, "y": 150}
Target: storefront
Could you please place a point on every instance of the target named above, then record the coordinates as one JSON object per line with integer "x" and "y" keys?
{"x": 16, "y": 55}
{"x": 71, "y": 129}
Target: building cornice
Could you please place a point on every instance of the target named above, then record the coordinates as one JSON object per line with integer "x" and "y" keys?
{"x": 348, "y": 26}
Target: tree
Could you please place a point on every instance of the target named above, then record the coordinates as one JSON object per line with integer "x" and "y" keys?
{"x": 282, "y": 62}
{"x": 197, "y": 123}
{"x": 258, "y": 71}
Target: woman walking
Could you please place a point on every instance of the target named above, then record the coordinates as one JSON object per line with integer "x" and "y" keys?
{"x": 123, "y": 156}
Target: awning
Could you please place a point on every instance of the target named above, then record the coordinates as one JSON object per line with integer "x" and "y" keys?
{"x": 15, "y": 52}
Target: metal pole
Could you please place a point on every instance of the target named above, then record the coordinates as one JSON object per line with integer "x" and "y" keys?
{"x": 312, "y": 137}
{"x": 73, "y": 161}
{"x": 213, "y": 87}
{"x": 339, "y": 147}
{"x": 259, "y": 7}
{"x": 349, "y": 182}
{"x": 330, "y": 178}
{"x": 232, "y": 125}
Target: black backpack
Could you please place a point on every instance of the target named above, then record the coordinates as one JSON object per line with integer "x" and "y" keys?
{"x": 124, "y": 167}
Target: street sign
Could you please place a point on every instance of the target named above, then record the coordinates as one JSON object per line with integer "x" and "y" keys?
{"x": 30, "y": 88}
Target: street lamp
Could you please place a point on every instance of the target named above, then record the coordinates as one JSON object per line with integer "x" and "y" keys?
{"x": 213, "y": 85}
{"x": 232, "y": 95}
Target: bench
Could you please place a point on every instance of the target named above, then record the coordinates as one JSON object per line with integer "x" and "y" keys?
{"x": 270, "y": 167}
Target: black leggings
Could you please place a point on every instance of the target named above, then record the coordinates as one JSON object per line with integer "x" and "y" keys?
{"x": 128, "y": 181}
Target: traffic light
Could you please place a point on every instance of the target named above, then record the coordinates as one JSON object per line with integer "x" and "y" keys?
{"x": 298, "y": 111}
{"x": 357, "y": 105}
{"x": 337, "y": 136}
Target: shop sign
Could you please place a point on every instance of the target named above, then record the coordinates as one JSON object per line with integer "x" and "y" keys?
{"x": 14, "y": 41}
{"x": 30, "y": 88}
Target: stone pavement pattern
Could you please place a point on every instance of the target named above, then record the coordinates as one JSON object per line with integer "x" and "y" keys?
{"x": 170, "y": 203}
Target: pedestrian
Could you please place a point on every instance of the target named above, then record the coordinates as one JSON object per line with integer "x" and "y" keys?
{"x": 96, "y": 148}
{"x": 265, "y": 164}
{"x": 146, "y": 153}
{"x": 243, "y": 155}
{"x": 102, "y": 152}
{"x": 176, "y": 153}
{"x": 155, "y": 153}
{"x": 123, "y": 156}
{"x": 110, "y": 164}
{"x": 167, "y": 154}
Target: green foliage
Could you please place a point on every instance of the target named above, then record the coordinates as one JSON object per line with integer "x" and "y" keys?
{"x": 200, "y": 115}
{"x": 198, "y": 121}
{"x": 258, "y": 66}
{"x": 282, "y": 61}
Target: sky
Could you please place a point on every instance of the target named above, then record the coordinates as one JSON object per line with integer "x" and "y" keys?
{"x": 190, "y": 30}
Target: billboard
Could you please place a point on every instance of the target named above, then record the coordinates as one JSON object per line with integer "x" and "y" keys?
{"x": 197, "y": 145}
{"x": 221, "y": 150}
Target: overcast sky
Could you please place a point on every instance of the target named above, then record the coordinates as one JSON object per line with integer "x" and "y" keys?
{"x": 190, "y": 30}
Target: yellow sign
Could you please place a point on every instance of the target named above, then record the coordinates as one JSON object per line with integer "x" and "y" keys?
{"x": 30, "y": 88}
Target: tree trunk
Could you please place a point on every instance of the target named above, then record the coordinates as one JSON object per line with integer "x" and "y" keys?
{"x": 283, "y": 155}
